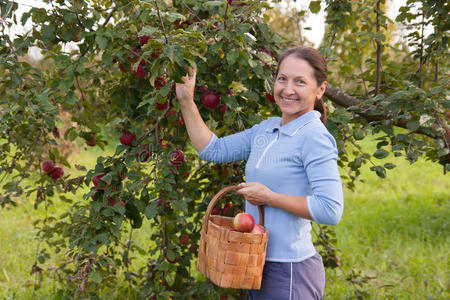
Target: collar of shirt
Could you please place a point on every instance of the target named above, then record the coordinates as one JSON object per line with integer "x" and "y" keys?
{"x": 292, "y": 127}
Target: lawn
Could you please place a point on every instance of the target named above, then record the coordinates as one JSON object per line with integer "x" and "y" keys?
{"x": 393, "y": 238}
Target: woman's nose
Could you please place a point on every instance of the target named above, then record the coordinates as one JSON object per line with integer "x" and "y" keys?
{"x": 289, "y": 88}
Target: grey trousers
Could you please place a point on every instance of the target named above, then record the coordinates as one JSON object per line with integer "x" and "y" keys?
{"x": 303, "y": 280}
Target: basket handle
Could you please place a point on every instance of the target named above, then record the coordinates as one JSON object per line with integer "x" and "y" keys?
{"x": 216, "y": 198}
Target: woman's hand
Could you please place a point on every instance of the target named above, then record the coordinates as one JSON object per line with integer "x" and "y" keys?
{"x": 255, "y": 193}
{"x": 185, "y": 90}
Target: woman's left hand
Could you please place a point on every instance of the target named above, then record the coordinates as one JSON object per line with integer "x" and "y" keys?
{"x": 255, "y": 193}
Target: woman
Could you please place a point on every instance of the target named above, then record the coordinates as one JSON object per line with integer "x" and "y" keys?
{"x": 291, "y": 169}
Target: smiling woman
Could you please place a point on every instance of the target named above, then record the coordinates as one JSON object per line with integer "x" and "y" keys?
{"x": 291, "y": 171}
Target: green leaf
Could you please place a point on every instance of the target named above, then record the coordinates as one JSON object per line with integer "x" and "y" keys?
{"x": 213, "y": 3}
{"x": 119, "y": 208}
{"x": 413, "y": 125}
{"x": 150, "y": 210}
{"x": 443, "y": 152}
{"x": 381, "y": 153}
{"x": 120, "y": 148}
{"x": 180, "y": 205}
{"x": 97, "y": 276}
{"x": 101, "y": 40}
{"x": 25, "y": 17}
{"x": 232, "y": 56}
{"x": 359, "y": 134}
{"x": 379, "y": 170}
{"x": 71, "y": 98}
{"x": 71, "y": 134}
{"x": 107, "y": 178}
{"x": 65, "y": 85}
{"x": 48, "y": 33}
{"x": 389, "y": 166}
{"x": 148, "y": 30}
{"x": 314, "y": 7}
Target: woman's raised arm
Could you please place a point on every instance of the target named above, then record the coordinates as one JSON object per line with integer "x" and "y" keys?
{"x": 197, "y": 130}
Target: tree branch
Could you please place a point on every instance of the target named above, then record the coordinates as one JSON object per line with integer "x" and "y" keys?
{"x": 377, "y": 25}
{"x": 344, "y": 100}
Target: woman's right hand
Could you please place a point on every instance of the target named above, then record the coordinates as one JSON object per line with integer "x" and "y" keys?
{"x": 185, "y": 90}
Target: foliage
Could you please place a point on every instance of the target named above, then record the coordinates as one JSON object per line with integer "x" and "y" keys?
{"x": 112, "y": 68}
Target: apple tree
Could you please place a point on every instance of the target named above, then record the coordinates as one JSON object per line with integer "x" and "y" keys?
{"x": 107, "y": 81}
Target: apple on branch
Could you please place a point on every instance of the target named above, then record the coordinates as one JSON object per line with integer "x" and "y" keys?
{"x": 91, "y": 142}
{"x": 177, "y": 158}
{"x": 48, "y": 166}
{"x": 57, "y": 172}
{"x": 210, "y": 99}
{"x": 127, "y": 138}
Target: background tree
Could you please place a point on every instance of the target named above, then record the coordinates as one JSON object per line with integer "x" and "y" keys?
{"x": 117, "y": 87}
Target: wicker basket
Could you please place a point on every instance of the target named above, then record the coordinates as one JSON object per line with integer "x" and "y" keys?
{"x": 231, "y": 259}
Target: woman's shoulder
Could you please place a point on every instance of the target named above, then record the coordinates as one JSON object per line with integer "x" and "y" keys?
{"x": 317, "y": 131}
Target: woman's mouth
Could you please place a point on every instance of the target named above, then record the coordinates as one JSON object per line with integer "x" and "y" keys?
{"x": 287, "y": 100}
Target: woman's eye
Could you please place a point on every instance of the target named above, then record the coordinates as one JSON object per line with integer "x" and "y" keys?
{"x": 300, "y": 82}
{"x": 281, "y": 78}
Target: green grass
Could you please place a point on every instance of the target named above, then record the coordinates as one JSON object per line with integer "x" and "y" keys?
{"x": 394, "y": 232}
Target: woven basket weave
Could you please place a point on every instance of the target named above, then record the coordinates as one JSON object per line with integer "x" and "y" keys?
{"x": 231, "y": 259}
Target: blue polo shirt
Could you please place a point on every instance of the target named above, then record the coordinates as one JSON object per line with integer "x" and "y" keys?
{"x": 300, "y": 159}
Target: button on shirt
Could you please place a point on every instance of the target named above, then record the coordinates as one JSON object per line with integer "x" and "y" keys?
{"x": 299, "y": 159}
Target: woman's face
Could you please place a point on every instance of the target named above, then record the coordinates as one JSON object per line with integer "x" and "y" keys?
{"x": 295, "y": 89}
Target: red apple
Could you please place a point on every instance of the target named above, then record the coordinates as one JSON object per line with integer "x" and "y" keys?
{"x": 156, "y": 54}
{"x": 57, "y": 172}
{"x": 96, "y": 180}
{"x": 215, "y": 211}
{"x": 76, "y": 37}
{"x": 134, "y": 57}
{"x": 160, "y": 82}
{"x": 162, "y": 106}
{"x": 267, "y": 51}
{"x": 144, "y": 39}
{"x": 91, "y": 142}
{"x": 177, "y": 158}
{"x": 258, "y": 229}
{"x": 48, "y": 166}
{"x": 270, "y": 97}
{"x": 202, "y": 88}
{"x": 193, "y": 249}
{"x": 231, "y": 92}
{"x": 125, "y": 70}
{"x": 210, "y": 99}
{"x": 143, "y": 155}
{"x": 140, "y": 72}
{"x": 184, "y": 239}
{"x": 127, "y": 138}
{"x": 227, "y": 209}
{"x": 172, "y": 261}
{"x": 223, "y": 108}
{"x": 113, "y": 202}
{"x": 244, "y": 222}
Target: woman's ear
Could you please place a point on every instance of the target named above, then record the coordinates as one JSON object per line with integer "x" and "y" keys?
{"x": 321, "y": 89}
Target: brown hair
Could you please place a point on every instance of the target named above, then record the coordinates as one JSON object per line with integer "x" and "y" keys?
{"x": 318, "y": 63}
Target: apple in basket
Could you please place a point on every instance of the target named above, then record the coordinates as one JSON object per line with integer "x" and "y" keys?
{"x": 243, "y": 222}
{"x": 258, "y": 229}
